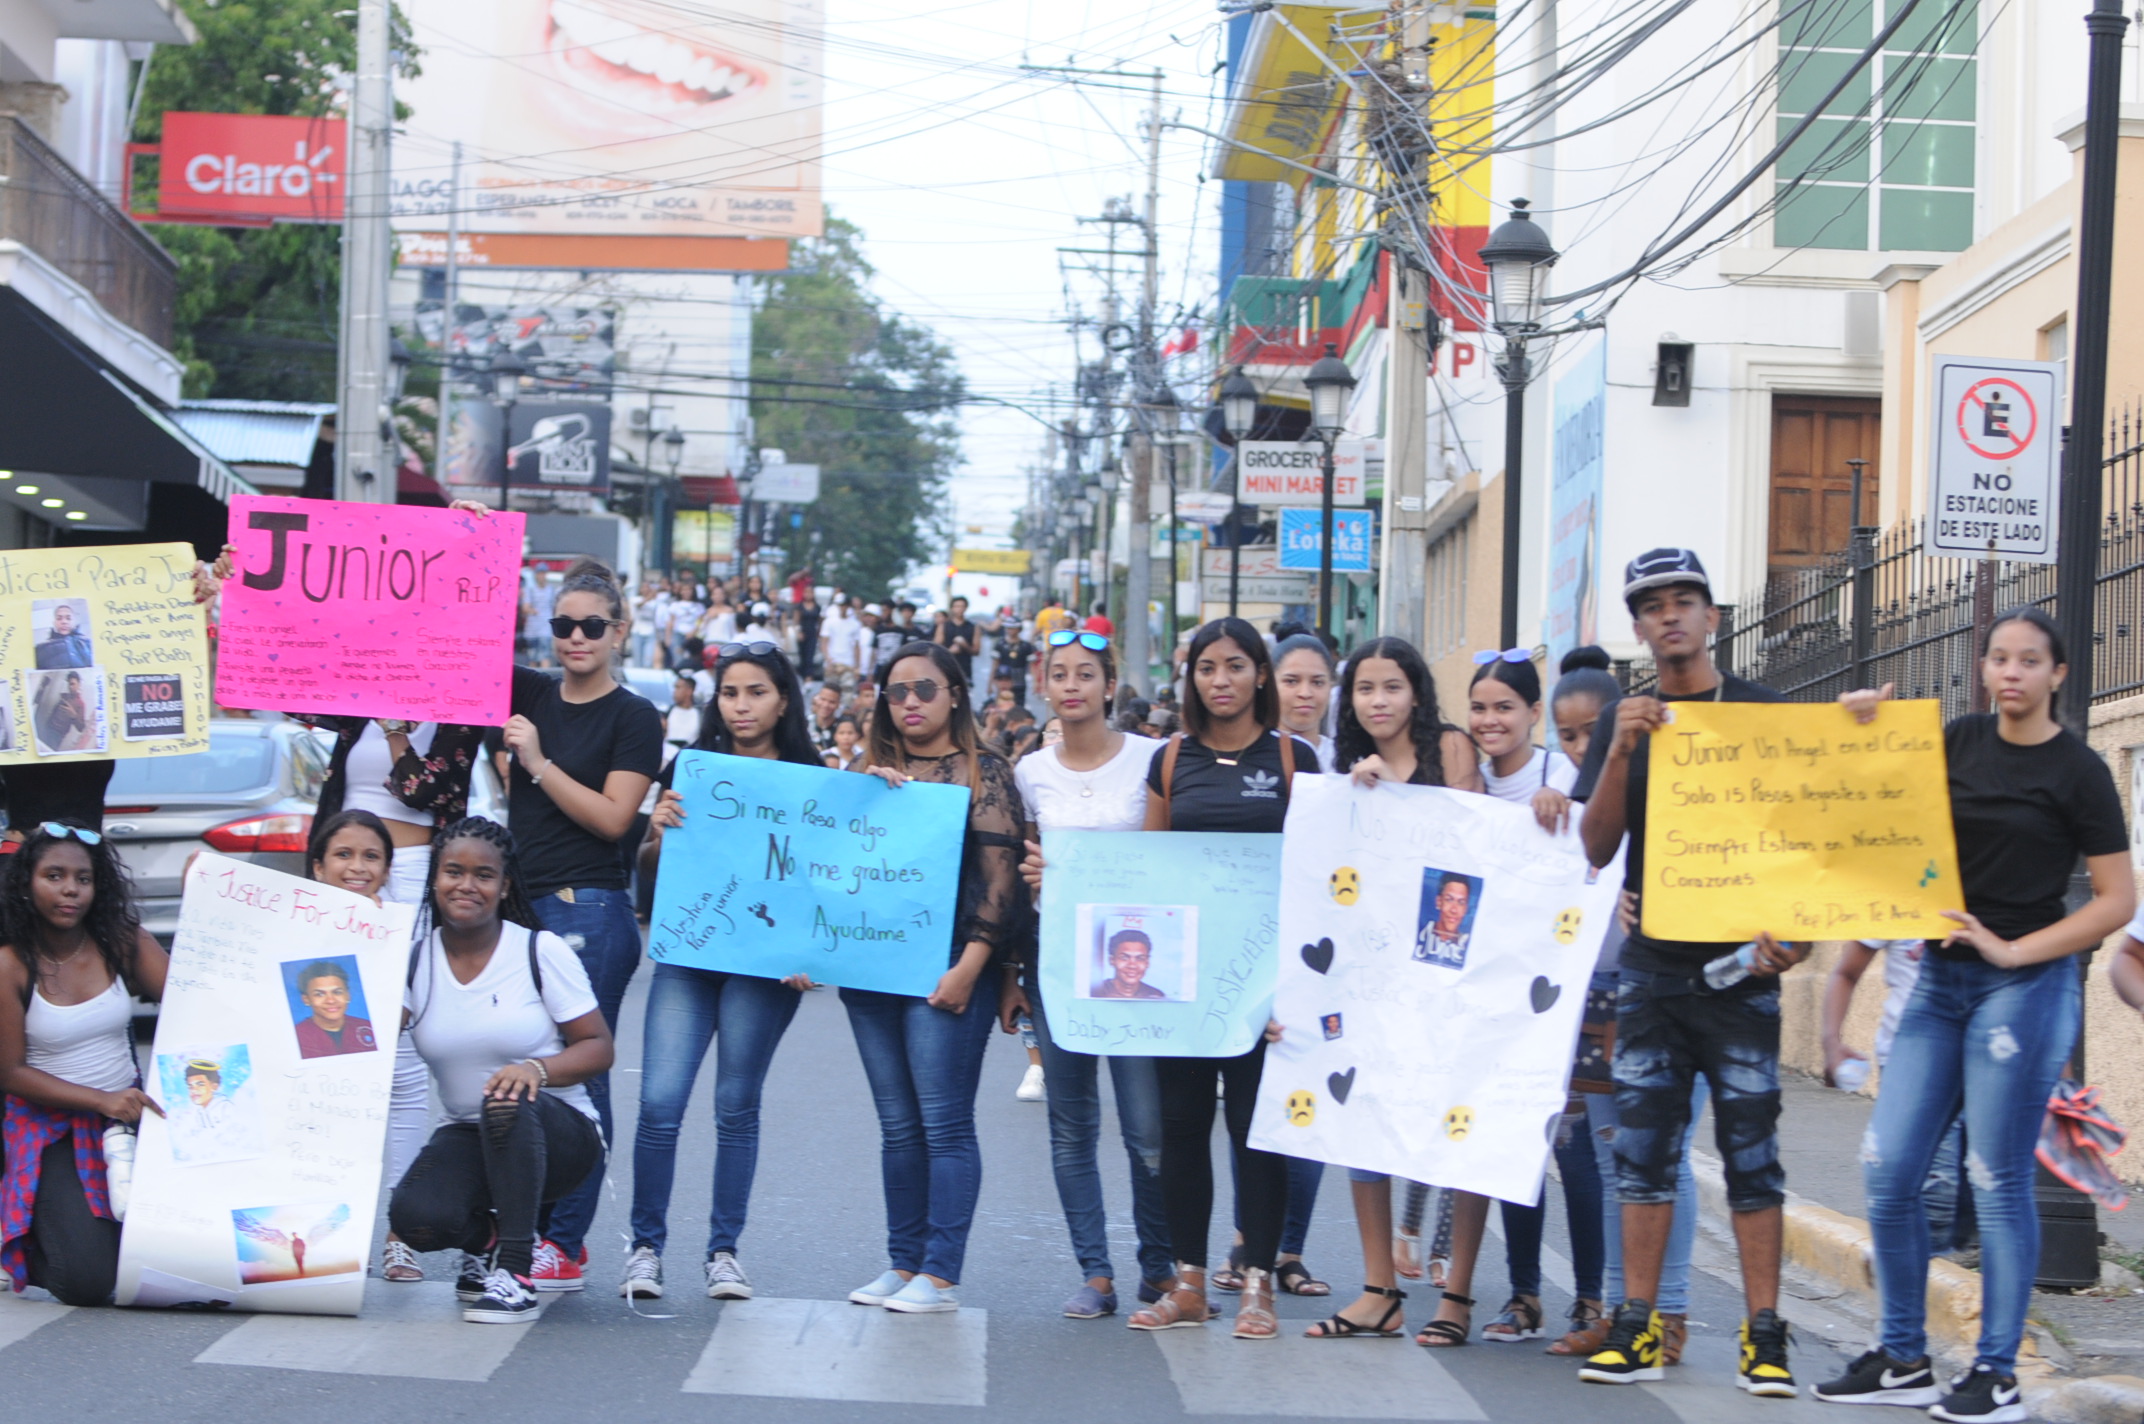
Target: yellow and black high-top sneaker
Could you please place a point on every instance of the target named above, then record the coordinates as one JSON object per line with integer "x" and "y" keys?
{"x": 1632, "y": 1352}
{"x": 1764, "y": 1357}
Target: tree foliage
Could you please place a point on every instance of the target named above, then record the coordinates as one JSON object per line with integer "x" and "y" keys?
{"x": 866, "y": 395}
{"x": 258, "y": 307}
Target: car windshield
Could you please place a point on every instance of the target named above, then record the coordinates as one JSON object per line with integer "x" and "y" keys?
{"x": 240, "y": 759}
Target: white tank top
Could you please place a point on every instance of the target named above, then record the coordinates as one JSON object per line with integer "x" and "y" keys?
{"x": 83, "y": 1043}
{"x": 365, "y": 776}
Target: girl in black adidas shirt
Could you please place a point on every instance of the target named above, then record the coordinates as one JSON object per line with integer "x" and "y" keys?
{"x": 1228, "y": 772}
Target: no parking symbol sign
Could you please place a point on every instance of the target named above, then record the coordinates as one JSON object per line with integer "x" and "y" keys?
{"x": 1993, "y": 462}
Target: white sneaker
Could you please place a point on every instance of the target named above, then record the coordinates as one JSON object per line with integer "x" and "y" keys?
{"x": 643, "y": 1275}
{"x": 920, "y": 1297}
{"x": 726, "y": 1279}
{"x": 1030, "y": 1089}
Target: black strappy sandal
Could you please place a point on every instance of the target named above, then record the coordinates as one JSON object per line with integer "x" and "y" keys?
{"x": 1294, "y": 1277}
{"x": 1447, "y": 1334}
{"x": 1229, "y": 1279}
{"x": 1392, "y": 1325}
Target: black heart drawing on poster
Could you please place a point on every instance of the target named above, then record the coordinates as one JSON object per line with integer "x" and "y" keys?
{"x": 1340, "y": 1085}
{"x": 1319, "y": 956}
{"x": 1545, "y": 994}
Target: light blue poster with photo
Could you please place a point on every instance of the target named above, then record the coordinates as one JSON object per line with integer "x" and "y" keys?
{"x": 1159, "y": 943}
{"x": 782, "y": 869}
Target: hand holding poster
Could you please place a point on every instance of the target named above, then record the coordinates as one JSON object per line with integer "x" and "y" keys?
{"x": 782, "y": 869}
{"x": 273, "y": 1063}
{"x": 1798, "y": 820}
{"x": 1435, "y": 950}
{"x": 370, "y": 610}
{"x": 1159, "y": 943}
{"x": 105, "y": 653}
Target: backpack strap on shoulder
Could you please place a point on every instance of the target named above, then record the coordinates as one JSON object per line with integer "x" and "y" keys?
{"x": 535, "y": 965}
{"x": 1168, "y": 775}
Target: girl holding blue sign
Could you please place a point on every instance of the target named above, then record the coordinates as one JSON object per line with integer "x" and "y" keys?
{"x": 924, "y": 1056}
{"x": 758, "y": 711}
{"x": 1229, "y": 771}
{"x": 1093, "y": 779}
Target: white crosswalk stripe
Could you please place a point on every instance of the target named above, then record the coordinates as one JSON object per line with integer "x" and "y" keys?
{"x": 407, "y": 1331}
{"x": 20, "y": 1319}
{"x": 826, "y": 1349}
{"x": 1309, "y": 1379}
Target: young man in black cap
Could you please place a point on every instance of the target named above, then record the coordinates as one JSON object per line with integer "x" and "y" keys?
{"x": 1670, "y": 1025}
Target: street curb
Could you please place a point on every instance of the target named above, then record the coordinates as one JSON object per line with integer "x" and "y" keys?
{"x": 1837, "y": 1250}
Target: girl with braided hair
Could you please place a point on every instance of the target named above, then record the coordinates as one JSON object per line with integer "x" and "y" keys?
{"x": 503, "y": 1014}
{"x": 74, "y": 953}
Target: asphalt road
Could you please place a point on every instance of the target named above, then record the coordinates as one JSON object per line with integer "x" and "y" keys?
{"x": 799, "y": 1352}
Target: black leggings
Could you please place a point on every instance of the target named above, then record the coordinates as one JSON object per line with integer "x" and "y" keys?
{"x": 73, "y": 1252}
{"x": 522, "y": 1155}
{"x": 1187, "y": 1157}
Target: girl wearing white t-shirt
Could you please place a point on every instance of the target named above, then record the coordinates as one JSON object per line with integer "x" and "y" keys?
{"x": 503, "y": 1014}
{"x": 1093, "y": 779}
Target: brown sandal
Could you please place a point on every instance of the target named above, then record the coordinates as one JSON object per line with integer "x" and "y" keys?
{"x": 1447, "y": 1334}
{"x": 1588, "y": 1332}
{"x": 1255, "y": 1319}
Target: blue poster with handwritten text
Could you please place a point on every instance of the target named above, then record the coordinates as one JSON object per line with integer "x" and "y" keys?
{"x": 782, "y": 869}
{"x": 1160, "y": 943}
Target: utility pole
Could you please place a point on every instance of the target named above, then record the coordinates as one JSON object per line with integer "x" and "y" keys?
{"x": 447, "y": 369}
{"x": 364, "y": 467}
{"x": 1402, "y": 146}
{"x": 1139, "y": 560}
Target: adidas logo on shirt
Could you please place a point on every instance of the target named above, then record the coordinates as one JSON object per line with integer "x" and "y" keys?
{"x": 1263, "y": 785}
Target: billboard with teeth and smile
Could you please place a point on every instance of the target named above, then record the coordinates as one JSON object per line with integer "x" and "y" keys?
{"x": 614, "y": 118}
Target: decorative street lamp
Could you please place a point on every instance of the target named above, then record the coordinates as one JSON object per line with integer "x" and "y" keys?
{"x": 1329, "y": 380}
{"x": 506, "y": 370}
{"x": 1518, "y": 255}
{"x": 1239, "y": 416}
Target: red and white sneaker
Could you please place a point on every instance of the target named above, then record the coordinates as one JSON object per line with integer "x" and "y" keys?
{"x": 553, "y": 1271}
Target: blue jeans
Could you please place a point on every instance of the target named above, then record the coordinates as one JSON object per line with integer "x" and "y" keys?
{"x": 1994, "y": 1041}
{"x": 924, "y": 1066}
{"x": 1075, "y": 1101}
{"x": 597, "y": 926}
{"x": 1682, "y": 1236}
{"x": 687, "y": 1007}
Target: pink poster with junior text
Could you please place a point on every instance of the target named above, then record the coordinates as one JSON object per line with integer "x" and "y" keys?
{"x": 370, "y": 610}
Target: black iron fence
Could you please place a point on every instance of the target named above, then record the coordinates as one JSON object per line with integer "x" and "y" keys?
{"x": 1916, "y": 616}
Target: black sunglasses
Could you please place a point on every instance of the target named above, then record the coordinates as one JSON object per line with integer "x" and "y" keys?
{"x": 590, "y": 627}
{"x": 924, "y": 688}
{"x": 758, "y": 648}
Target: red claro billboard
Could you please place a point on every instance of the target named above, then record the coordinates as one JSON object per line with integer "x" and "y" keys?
{"x": 251, "y": 168}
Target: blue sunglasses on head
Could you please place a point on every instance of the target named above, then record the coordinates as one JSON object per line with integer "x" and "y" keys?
{"x": 1065, "y": 637}
{"x": 1510, "y": 655}
{"x": 58, "y": 831}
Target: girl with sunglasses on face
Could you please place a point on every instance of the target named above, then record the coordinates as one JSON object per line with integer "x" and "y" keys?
{"x": 758, "y": 711}
{"x": 1229, "y": 771}
{"x": 1092, "y": 779}
{"x": 924, "y": 1055}
{"x": 75, "y": 956}
{"x": 585, "y": 750}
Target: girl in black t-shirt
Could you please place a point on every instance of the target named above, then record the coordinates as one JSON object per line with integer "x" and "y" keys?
{"x": 1228, "y": 772}
{"x": 585, "y": 749}
{"x": 757, "y": 711}
{"x": 924, "y": 1055}
{"x": 1992, "y": 1019}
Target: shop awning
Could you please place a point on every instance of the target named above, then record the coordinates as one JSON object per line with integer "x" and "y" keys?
{"x": 64, "y": 412}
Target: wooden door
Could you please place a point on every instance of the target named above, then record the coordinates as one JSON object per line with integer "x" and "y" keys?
{"x": 1813, "y": 437}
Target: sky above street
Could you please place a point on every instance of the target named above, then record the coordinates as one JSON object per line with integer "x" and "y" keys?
{"x": 967, "y": 176}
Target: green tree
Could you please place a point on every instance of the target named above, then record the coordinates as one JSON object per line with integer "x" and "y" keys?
{"x": 257, "y": 307}
{"x": 866, "y": 395}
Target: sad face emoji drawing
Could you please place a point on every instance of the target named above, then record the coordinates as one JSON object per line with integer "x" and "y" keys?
{"x": 1302, "y": 1107}
{"x": 1458, "y": 1123}
{"x": 1567, "y": 925}
{"x": 1345, "y": 885}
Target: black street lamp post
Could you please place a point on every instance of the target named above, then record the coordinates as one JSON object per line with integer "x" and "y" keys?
{"x": 1329, "y": 380}
{"x": 1518, "y": 255}
{"x": 506, "y": 371}
{"x": 1239, "y": 415}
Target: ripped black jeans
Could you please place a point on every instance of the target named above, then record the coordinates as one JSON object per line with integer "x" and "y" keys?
{"x": 1669, "y": 1029}
{"x": 473, "y": 1179}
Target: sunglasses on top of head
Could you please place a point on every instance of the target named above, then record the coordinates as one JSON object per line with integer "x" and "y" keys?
{"x": 1510, "y": 655}
{"x": 1065, "y": 637}
{"x": 758, "y": 648}
{"x": 590, "y": 627}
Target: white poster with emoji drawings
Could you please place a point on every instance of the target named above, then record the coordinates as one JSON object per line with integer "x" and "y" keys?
{"x": 1434, "y": 952}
